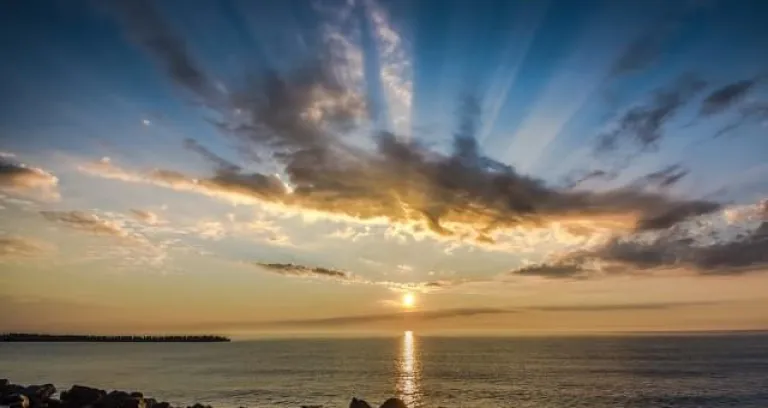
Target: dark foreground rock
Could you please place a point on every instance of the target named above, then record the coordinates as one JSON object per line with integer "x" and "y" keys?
{"x": 79, "y": 396}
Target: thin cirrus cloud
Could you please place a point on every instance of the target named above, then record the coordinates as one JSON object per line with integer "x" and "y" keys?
{"x": 145, "y": 216}
{"x": 16, "y": 247}
{"x": 84, "y": 221}
{"x": 346, "y": 277}
{"x": 726, "y": 96}
{"x": 425, "y": 316}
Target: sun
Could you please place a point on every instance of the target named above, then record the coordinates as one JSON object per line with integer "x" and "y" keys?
{"x": 409, "y": 300}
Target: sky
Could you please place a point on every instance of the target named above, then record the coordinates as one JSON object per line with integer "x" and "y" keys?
{"x": 303, "y": 167}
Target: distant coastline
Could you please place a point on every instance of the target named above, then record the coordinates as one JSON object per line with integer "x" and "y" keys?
{"x": 67, "y": 338}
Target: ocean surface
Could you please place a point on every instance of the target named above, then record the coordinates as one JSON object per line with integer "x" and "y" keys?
{"x": 597, "y": 372}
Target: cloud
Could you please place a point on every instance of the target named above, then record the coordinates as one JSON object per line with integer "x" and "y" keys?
{"x": 619, "y": 307}
{"x": 219, "y": 163}
{"x": 299, "y": 123}
{"x": 725, "y": 97}
{"x": 20, "y": 179}
{"x": 146, "y": 26}
{"x": 305, "y": 271}
{"x": 358, "y": 320}
{"x": 345, "y": 277}
{"x": 703, "y": 249}
{"x": 85, "y": 222}
{"x": 640, "y": 128}
{"x": 147, "y": 217}
{"x": 641, "y": 53}
{"x": 13, "y": 247}
{"x": 395, "y": 71}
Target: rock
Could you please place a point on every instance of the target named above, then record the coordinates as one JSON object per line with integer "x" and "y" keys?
{"x": 4, "y": 383}
{"x": 120, "y": 399}
{"x": 162, "y": 405}
{"x": 16, "y": 401}
{"x": 137, "y": 394}
{"x": 80, "y": 396}
{"x": 394, "y": 403}
{"x": 358, "y": 403}
{"x": 54, "y": 403}
{"x": 39, "y": 394}
{"x": 199, "y": 405}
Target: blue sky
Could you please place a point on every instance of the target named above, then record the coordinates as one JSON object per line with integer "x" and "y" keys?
{"x": 486, "y": 155}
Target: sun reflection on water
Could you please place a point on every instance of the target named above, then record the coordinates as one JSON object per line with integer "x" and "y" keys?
{"x": 408, "y": 372}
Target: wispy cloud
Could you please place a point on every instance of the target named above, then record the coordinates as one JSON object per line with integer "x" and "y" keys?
{"x": 641, "y": 127}
{"x": 363, "y": 320}
{"x": 31, "y": 182}
{"x": 16, "y": 247}
{"x": 146, "y": 216}
{"x": 84, "y": 221}
{"x": 620, "y": 307}
{"x": 346, "y": 277}
{"x": 395, "y": 70}
{"x": 307, "y": 272}
{"x": 725, "y": 97}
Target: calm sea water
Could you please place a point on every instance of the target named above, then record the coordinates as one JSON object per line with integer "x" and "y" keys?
{"x": 670, "y": 371}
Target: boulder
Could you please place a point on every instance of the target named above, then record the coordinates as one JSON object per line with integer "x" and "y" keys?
{"x": 4, "y": 383}
{"x": 80, "y": 396}
{"x": 39, "y": 394}
{"x": 120, "y": 399}
{"x": 16, "y": 401}
{"x": 394, "y": 403}
{"x": 358, "y": 403}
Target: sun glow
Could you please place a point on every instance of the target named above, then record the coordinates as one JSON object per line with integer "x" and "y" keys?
{"x": 409, "y": 300}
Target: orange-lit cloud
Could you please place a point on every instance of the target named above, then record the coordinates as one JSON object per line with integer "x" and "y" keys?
{"x": 20, "y": 179}
{"x": 15, "y": 247}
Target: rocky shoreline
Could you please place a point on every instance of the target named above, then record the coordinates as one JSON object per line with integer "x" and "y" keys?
{"x": 79, "y": 396}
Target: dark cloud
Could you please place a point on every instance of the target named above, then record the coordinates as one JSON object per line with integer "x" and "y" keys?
{"x": 725, "y": 97}
{"x": 555, "y": 271}
{"x": 577, "y": 178}
{"x": 345, "y": 277}
{"x": 362, "y": 320}
{"x": 746, "y": 253}
{"x": 641, "y": 53}
{"x": 148, "y": 28}
{"x": 85, "y": 222}
{"x": 306, "y": 271}
{"x": 620, "y": 307}
{"x": 641, "y": 128}
{"x": 12, "y": 247}
{"x": 664, "y": 178}
{"x": 753, "y": 113}
{"x": 300, "y": 121}
{"x": 18, "y": 178}
{"x": 221, "y": 164}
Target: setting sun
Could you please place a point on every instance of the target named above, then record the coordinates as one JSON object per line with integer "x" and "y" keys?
{"x": 409, "y": 300}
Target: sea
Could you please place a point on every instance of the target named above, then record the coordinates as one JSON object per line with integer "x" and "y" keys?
{"x": 537, "y": 372}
